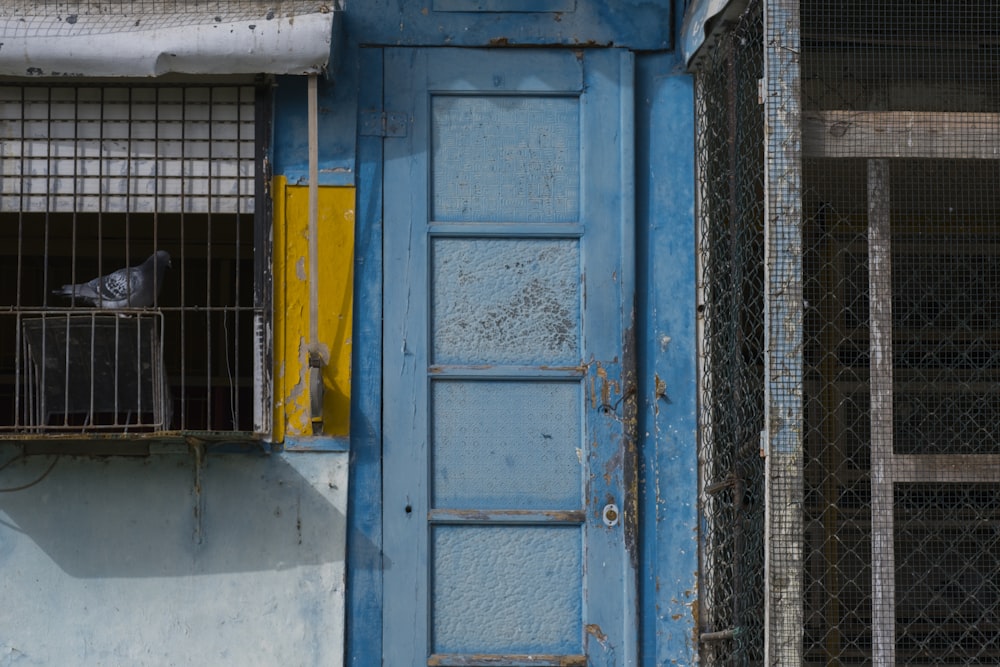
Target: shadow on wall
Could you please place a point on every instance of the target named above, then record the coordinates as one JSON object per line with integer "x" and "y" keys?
{"x": 165, "y": 515}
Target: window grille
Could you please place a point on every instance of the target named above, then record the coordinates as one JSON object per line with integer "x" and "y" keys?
{"x": 94, "y": 178}
{"x": 880, "y": 274}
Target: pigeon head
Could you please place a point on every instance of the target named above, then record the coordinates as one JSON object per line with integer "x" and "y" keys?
{"x": 161, "y": 261}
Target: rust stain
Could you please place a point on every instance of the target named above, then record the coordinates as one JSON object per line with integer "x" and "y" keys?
{"x": 595, "y": 631}
{"x": 659, "y": 392}
{"x": 612, "y": 466}
{"x": 500, "y": 41}
{"x": 630, "y": 462}
{"x": 694, "y": 621}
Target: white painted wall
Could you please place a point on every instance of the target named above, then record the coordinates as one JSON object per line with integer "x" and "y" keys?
{"x": 141, "y": 561}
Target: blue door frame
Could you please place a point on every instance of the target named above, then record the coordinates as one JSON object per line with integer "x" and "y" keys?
{"x": 665, "y": 335}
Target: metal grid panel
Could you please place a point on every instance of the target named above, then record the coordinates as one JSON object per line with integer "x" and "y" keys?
{"x": 731, "y": 283}
{"x": 900, "y": 267}
{"x": 880, "y": 354}
{"x": 113, "y": 150}
{"x": 95, "y": 179}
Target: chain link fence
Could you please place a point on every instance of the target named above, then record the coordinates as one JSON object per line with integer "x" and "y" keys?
{"x": 901, "y": 273}
{"x": 731, "y": 253}
{"x": 863, "y": 343}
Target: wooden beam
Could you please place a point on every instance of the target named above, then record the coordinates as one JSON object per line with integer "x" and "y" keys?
{"x": 900, "y": 134}
{"x": 945, "y": 468}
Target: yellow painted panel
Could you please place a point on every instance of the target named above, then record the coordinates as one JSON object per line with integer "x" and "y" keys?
{"x": 335, "y": 237}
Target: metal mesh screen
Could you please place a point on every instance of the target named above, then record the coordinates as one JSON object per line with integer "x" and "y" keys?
{"x": 900, "y": 272}
{"x": 850, "y": 273}
{"x": 731, "y": 249}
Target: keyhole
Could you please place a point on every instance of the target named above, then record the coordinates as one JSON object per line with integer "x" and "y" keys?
{"x": 610, "y": 514}
{"x": 408, "y": 509}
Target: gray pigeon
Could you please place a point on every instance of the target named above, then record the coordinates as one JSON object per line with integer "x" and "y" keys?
{"x": 129, "y": 287}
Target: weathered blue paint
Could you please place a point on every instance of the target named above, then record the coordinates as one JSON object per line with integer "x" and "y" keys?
{"x": 666, "y": 347}
{"x": 667, "y": 376}
{"x": 508, "y": 322}
{"x": 233, "y": 583}
{"x": 364, "y": 537}
{"x": 337, "y": 123}
{"x": 641, "y": 25}
{"x": 634, "y": 24}
{"x": 173, "y": 559}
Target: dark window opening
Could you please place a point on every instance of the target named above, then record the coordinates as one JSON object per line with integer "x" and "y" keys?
{"x": 94, "y": 180}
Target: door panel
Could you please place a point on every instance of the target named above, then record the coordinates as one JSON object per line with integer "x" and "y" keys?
{"x": 507, "y": 310}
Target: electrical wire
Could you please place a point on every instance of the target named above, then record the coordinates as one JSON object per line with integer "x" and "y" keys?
{"x": 55, "y": 460}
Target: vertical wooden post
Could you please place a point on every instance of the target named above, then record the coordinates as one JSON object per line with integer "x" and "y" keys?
{"x": 783, "y": 303}
{"x": 881, "y": 388}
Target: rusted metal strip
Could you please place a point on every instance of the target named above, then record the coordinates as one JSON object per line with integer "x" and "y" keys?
{"x": 718, "y": 636}
{"x": 495, "y": 660}
{"x": 715, "y": 487}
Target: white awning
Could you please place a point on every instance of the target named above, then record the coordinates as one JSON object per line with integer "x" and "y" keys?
{"x": 111, "y": 38}
{"x": 704, "y": 22}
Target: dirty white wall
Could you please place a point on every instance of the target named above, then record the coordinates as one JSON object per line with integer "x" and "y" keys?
{"x": 160, "y": 560}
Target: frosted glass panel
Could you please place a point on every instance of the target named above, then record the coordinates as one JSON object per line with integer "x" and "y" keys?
{"x": 505, "y": 159}
{"x": 506, "y": 301}
{"x": 507, "y": 445}
{"x": 522, "y": 582}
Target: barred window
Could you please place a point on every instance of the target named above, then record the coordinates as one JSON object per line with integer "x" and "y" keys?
{"x": 135, "y": 273}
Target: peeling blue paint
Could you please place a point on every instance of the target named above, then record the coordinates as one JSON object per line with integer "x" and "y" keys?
{"x": 666, "y": 277}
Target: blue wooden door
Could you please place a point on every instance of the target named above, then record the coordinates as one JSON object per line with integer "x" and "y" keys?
{"x": 508, "y": 493}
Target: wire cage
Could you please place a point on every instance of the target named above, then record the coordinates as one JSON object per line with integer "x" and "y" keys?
{"x": 872, "y": 229}
{"x": 95, "y": 179}
{"x": 899, "y": 107}
{"x": 88, "y": 371}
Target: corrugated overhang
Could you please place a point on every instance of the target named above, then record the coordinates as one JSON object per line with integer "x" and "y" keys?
{"x": 704, "y": 22}
{"x": 145, "y": 38}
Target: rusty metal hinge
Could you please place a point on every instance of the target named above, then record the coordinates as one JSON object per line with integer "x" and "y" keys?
{"x": 383, "y": 124}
